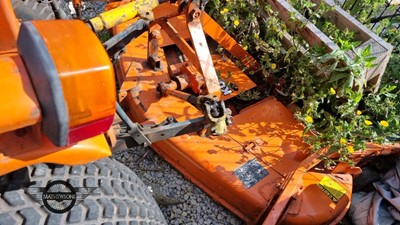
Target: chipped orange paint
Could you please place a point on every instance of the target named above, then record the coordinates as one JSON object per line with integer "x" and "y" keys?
{"x": 266, "y": 132}
{"x": 210, "y": 162}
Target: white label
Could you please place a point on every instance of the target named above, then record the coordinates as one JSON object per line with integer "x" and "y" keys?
{"x": 224, "y": 88}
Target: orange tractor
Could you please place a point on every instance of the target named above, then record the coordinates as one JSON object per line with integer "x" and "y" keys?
{"x": 62, "y": 87}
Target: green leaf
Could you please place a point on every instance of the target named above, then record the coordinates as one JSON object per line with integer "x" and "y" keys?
{"x": 306, "y": 129}
{"x": 349, "y": 82}
{"x": 333, "y": 149}
{"x": 328, "y": 56}
{"x": 387, "y": 89}
{"x": 338, "y": 76}
{"x": 356, "y": 43}
{"x": 328, "y": 116}
{"x": 367, "y": 51}
{"x": 370, "y": 65}
{"x": 327, "y": 68}
{"x": 358, "y": 97}
{"x": 342, "y": 69}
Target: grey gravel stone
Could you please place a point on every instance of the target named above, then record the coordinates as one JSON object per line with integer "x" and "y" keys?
{"x": 192, "y": 205}
{"x": 92, "y": 8}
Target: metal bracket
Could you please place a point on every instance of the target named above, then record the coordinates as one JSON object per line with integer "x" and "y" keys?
{"x": 146, "y": 135}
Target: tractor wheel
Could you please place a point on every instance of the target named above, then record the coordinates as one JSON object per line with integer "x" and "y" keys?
{"x": 120, "y": 197}
{"x": 39, "y": 10}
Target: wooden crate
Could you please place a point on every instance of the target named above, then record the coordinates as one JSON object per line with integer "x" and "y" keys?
{"x": 310, "y": 33}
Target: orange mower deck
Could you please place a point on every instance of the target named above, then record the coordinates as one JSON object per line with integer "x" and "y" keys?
{"x": 259, "y": 169}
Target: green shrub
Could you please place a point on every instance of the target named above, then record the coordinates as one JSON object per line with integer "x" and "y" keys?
{"x": 328, "y": 88}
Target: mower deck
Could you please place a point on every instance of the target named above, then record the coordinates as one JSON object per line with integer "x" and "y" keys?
{"x": 247, "y": 169}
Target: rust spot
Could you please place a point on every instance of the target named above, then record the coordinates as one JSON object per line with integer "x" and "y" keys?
{"x": 21, "y": 132}
{"x": 212, "y": 152}
{"x": 253, "y": 145}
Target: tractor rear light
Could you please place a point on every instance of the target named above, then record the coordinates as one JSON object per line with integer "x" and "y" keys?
{"x": 89, "y": 129}
{"x": 72, "y": 76}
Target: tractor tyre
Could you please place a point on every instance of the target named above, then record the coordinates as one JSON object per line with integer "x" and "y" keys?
{"x": 38, "y": 10}
{"x": 119, "y": 196}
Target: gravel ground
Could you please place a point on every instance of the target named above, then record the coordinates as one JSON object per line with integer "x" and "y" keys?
{"x": 181, "y": 201}
{"x": 91, "y": 8}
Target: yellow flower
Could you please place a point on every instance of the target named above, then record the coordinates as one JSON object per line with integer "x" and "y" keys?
{"x": 359, "y": 112}
{"x": 350, "y": 149}
{"x": 223, "y": 11}
{"x": 384, "y": 123}
{"x": 342, "y": 141}
{"x": 331, "y": 91}
{"x": 228, "y": 0}
{"x": 309, "y": 119}
{"x": 256, "y": 36}
{"x": 236, "y": 22}
{"x": 273, "y": 66}
{"x": 245, "y": 47}
{"x": 367, "y": 122}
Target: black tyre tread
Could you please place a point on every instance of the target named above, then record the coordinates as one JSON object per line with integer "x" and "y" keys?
{"x": 32, "y": 9}
{"x": 65, "y": 8}
{"x": 120, "y": 197}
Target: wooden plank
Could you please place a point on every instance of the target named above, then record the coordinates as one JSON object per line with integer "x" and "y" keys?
{"x": 382, "y": 57}
{"x": 287, "y": 39}
{"x": 379, "y": 47}
{"x": 395, "y": 2}
{"x": 309, "y": 32}
{"x": 343, "y": 20}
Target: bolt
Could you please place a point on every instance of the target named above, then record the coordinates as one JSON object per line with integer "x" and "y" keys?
{"x": 155, "y": 34}
{"x": 195, "y": 13}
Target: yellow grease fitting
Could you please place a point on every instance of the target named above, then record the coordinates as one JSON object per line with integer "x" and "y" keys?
{"x": 331, "y": 188}
{"x": 111, "y": 18}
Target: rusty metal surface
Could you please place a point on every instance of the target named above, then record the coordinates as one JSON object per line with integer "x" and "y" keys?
{"x": 180, "y": 42}
{"x": 202, "y": 52}
{"x": 153, "y": 49}
{"x": 266, "y": 132}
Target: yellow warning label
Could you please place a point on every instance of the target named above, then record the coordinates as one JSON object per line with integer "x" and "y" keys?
{"x": 331, "y": 188}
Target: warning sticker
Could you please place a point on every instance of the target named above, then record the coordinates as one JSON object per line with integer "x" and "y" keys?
{"x": 251, "y": 173}
{"x": 331, "y": 188}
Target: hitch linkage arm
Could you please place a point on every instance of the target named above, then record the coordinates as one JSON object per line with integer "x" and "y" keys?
{"x": 146, "y": 135}
{"x": 115, "y": 46}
